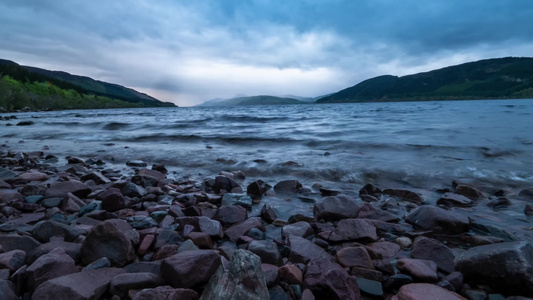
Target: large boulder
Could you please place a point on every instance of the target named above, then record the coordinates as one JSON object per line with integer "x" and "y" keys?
{"x": 10, "y": 242}
{"x": 54, "y": 264}
{"x": 505, "y": 267}
{"x": 437, "y": 219}
{"x": 106, "y": 240}
{"x": 242, "y": 278}
{"x": 335, "y": 208}
{"x": 86, "y": 285}
{"x": 45, "y": 230}
{"x": 190, "y": 269}
{"x": 287, "y": 186}
{"x": 328, "y": 280}
{"x": 430, "y": 249}
{"x": 420, "y": 291}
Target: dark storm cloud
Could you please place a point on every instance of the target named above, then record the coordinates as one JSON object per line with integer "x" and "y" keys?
{"x": 194, "y": 50}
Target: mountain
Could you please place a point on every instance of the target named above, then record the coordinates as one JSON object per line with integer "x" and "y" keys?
{"x": 80, "y": 84}
{"x": 499, "y": 78}
{"x": 252, "y": 100}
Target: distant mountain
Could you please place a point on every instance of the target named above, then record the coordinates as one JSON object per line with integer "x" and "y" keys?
{"x": 499, "y": 78}
{"x": 252, "y": 100}
{"x": 81, "y": 84}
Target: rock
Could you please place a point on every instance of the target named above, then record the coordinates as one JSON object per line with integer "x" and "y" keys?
{"x": 242, "y": 278}
{"x": 424, "y": 270}
{"x": 122, "y": 283}
{"x": 201, "y": 239}
{"x": 166, "y": 237}
{"x": 382, "y": 250}
{"x": 335, "y": 208}
{"x": 141, "y": 222}
{"x": 349, "y": 257}
{"x": 232, "y": 214}
{"x": 224, "y": 183}
{"x": 71, "y": 203}
{"x": 237, "y": 199}
{"x": 354, "y": 230}
{"x": 303, "y": 251}
{"x": 6, "y": 174}
{"x": 452, "y": 199}
{"x": 469, "y": 192}
{"x": 419, "y": 291}
{"x": 145, "y": 245}
{"x": 287, "y": 187}
{"x": 25, "y": 123}
{"x": 528, "y": 210}
{"x": 60, "y": 189}
{"x": 88, "y": 285}
{"x": 267, "y": 251}
{"x": 132, "y": 190}
{"x": 525, "y": 193}
{"x": 34, "y": 176}
{"x": 240, "y": 229}
{"x": 166, "y": 292}
{"x": 370, "y": 287}
{"x": 405, "y": 195}
{"x": 72, "y": 249}
{"x": 12, "y": 260}
{"x": 370, "y": 189}
{"x": 45, "y": 230}
{"x": 190, "y": 269}
{"x": 505, "y": 267}
{"x": 167, "y": 251}
{"x": 203, "y": 224}
{"x": 268, "y": 213}
{"x": 105, "y": 240}
{"x": 301, "y": 229}
{"x": 430, "y": 249}
{"x": 54, "y": 264}
{"x": 396, "y": 281}
{"x": 98, "y": 264}
{"x": 437, "y": 219}
{"x": 277, "y": 293}
{"x": 271, "y": 274}
{"x": 112, "y": 200}
{"x": 257, "y": 189}
{"x": 7, "y": 290}
{"x": 327, "y": 280}
{"x": 136, "y": 163}
{"x": 290, "y": 274}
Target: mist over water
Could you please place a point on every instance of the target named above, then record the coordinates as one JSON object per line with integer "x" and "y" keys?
{"x": 415, "y": 144}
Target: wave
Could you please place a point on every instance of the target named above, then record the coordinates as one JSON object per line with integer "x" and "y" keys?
{"x": 116, "y": 126}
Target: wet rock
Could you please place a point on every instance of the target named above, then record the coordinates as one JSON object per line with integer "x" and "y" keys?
{"x": 122, "y": 283}
{"x": 201, "y": 239}
{"x": 328, "y": 280}
{"x": 396, "y": 281}
{"x": 499, "y": 203}
{"x": 452, "y": 199}
{"x": 469, "y": 192}
{"x": 52, "y": 265}
{"x": 88, "y": 285}
{"x": 6, "y": 174}
{"x": 12, "y": 260}
{"x": 203, "y": 224}
{"x": 383, "y": 249}
{"x": 240, "y": 229}
{"x": 505, "y": 267}
{"x": 367, "y": 211}
{"x": 301, "y": 229}
{"x": 136, "y": 163}
{"x": 303, "y": 251}
{"x": 47, "y": 229}
{"x": 416, "y": 291}
{"x": 528, "y": 210}
{"x": 25, "y": 123}
{"x": 437, "y": 219}
{"x": 112, "y": 200}
{"x": 424, "y": 270}
{"x": 525, "y": 193}
{"x": 267, "y": 251}
{"x": 224, "y": 183}
{"x": 190, "y": 269}
{"x": 268, "y": 213}
{"x": 72, "y": 249}
{"x": 335, "y": 208}
{"x": 166, "y": 292}
{"x": 430, "y": 249}
{"x": 287, "y": 187}
{"x": 290, "y": 274}
{"x": 271, "y": 274}
{"x": 34, "y": 176}
{"x": 229, "y": 215}
{"x": 370, "y": 189}
{"x": 354, "y": 230}
{"x": 105, "y": 240}
{"x": 405, "y": 195}
{"x": 132, "y": 190}
{"x": 237, "y": 199}
{"x": 60, "y": 189}
{"x": 354, "y": 257}
{"x": 257, "y": 189}
{"x": 7, "y": 290}
{"x": 98, "y": 264}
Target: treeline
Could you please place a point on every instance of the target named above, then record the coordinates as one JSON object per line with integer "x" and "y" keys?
{"x": 29, "y": 93}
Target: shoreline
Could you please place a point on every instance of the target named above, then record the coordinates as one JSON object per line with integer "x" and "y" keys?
{"x": 382, "y": 242}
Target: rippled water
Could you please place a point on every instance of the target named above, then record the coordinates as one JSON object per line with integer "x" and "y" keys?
{"x": 418, "y": 144}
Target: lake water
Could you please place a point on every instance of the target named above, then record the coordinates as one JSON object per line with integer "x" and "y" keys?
{"x": 419, "y": 145}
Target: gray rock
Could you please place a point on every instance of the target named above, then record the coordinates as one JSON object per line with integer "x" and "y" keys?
{"x": 423, "y": 290}
{"x": 452, "y": 199}
{"x": 237, "y": 199}
{"x": 60, "y": 189}
{"x": 439, "y": 220}
{"x": 405, "y": 195}
{"x": 130, "y": 189}
{"x": 105, "y": 240}
{"x": 190, "y": 269}
{"x": 302, "y": 229}
{"x": 335, "y": 208}
{"x": 166, "y": 292}
{"x": 242, "y": 278}
{"x": 45, "y": 230}
{"x": 349, "y": 257}
{"x": 7, "y": 174}
{"x": 7, "y": 290}
{"x": 287, "y": 187}
{"x": 354, "y": 230}
{"x": 430, "y": 249}
{"x": 303, "y": 251}
{"x": 328, "y": 280}
{"x": 505, "y": 267}
{"x": 268, "y": 213}
{"x": 267, "y": 251}
{"x": 12, "y": 260}
{"x": 240, "y": 229}
{"x": 14, "y": 241}
{"x": 231, "y": 214}
{"x": 122, "y": 283}
{"x": 89, "y": 285}
{"x": 52, "y": 265}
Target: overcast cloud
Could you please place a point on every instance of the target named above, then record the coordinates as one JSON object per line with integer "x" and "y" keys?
{"x": 191, "y": 51}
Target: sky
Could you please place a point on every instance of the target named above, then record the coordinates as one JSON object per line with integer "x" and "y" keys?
{"x": 190, "y": 51}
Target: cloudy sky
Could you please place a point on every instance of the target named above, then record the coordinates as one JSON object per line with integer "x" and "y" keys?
{"x": 190, "y": 51}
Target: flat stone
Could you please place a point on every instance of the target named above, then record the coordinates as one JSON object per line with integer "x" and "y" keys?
{"x": 240, "y": 229}
{"x": 354, "y": 230}
{"x": 383, "y": 249}
{"x": 452, "y": 199}
{"x": 303, "y": 250}
{"x": 301, "y": 229}
{"x": 34, "y": 176}
{"x": 430, "y": 249}
{"x": 122, "y": 283}
{"x": 419, "y": 291}
{"x": 370, "y": 287}
{"x": 424, "y": 270}
{"x": 439, "y": 220}
{"x": 88, "y": 285}
{"x": 166, "y": 292}
{"x": 14, "y": 241}
{"x": 328, "y": 280}
{"x": 190, "y": 269}
{"x": 54, "y": 264}
{"x": 60, "y": 189}
{"x": 354, "y": 257}
{"x": 405, "y": 195}
{"x": 335, "y": 208}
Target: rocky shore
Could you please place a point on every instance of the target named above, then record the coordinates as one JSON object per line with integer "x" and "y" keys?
{"x": 84, "y": 230}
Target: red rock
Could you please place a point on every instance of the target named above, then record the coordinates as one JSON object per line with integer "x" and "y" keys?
{"x": 437, "y": 219}
{"x": 87, "y": 285}
{"x": 145, "y": 244}
{"x": 122, "y": 283}
{"x": 328, "y": 280}
{"x": 383, "y": 249}
{"x": 34, "y": 176}
{"x": 190, "y": 268}
{"x": 271, "y": 274}
{"x": 105, "y": 240}
{"x": 424, "y": 270}
{"x": 153, "y": 173}
{"x": 290, "y": 274}
{"x": 201, "y": 239}
{"x": 12, "y": 260}
{"x": 334, "y": 208}
{"x": 303, "y": 251}
{"x": 240, "y": 229}
{"x": 302, "y": 229}
{"x": 60, "y": 189}
{"x": 423, "y": 291}
{"x": 166, "y": 292}
{"x": 354, "y": 230}
{"x": 112, "y": 200}
{"x": 354, "y": 257}
{"x": 430, "y": 249}
{"x": 54, "y": 264}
